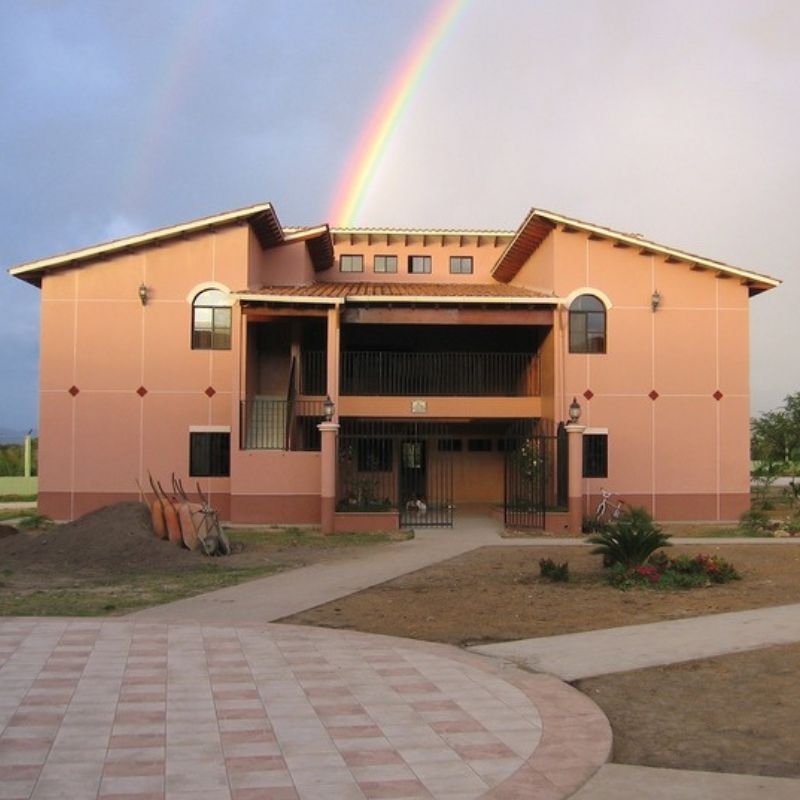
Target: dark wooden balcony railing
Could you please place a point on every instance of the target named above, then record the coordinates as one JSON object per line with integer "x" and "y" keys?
{"x": 272, "y": 424}
{"x": 440, "y": 374}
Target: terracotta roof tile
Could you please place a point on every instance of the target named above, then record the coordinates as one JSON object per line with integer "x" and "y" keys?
{"x": 362, "y": 289}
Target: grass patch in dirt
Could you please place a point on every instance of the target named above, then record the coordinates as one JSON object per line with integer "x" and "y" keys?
{"x": 733, "y": 713}
{"x": 98, "y": 597}
{"x": 17, "y": 513}
{"x": 109, "y": 562}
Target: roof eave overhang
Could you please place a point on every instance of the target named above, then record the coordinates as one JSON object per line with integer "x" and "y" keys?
{"x": 262, "y": 217}
{"x": 539, "y": 223}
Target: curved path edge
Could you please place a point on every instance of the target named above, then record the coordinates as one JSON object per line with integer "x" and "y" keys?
{"x": 93, "y": 707}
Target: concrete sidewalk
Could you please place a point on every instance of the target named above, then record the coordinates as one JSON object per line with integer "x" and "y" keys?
{"x": 601, "y": 652}
{"x": 277, "y": 596}
{"x": 624, "y": 782}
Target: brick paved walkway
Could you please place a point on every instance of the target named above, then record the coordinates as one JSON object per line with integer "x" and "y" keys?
{"x": 121, "y": 710}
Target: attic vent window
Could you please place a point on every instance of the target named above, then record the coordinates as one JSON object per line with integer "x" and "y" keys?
{"x": 351, "y": 263}
{"x": 419, "y": 265}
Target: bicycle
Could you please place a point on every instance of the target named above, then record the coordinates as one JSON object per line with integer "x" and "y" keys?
{"x": 608, "y": 510}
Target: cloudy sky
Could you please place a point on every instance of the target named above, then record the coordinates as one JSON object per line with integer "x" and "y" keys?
{"x": 679, "y": 120}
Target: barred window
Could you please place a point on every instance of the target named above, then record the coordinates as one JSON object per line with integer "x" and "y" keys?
{"x": 595, "y": 455}
{"x": 209, "y": 455}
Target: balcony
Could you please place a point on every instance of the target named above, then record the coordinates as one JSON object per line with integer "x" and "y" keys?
{"x": 449, "y": 374}
{"x": 269, "y": 423}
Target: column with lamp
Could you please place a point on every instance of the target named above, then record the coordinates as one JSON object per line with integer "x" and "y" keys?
{"x": 329, "y": 431}
{"x": 575, "y": 483}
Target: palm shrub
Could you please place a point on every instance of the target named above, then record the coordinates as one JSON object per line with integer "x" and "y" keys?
{"x": 630, "y": 541}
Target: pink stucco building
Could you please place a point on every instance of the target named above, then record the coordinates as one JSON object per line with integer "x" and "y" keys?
{"x": 450, "y": 356}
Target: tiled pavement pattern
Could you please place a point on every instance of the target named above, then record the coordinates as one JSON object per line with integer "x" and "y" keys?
{"x": 121, "y": 710}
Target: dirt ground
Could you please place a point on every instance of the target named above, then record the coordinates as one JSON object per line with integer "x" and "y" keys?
{"x": 737, "y": 713}
{"x": 495, "y": 594}
{"x": 109, "y": 561}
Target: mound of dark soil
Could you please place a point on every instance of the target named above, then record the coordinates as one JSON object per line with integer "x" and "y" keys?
{"x": 7, "y": 530}
{"x": 116, "y": 538}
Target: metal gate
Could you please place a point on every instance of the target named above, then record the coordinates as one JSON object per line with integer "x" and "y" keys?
{"x": 399, "y": 466}
{"x": 535, "y": 472}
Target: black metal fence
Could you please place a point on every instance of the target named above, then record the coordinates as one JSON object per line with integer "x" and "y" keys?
{"x": 270, "y": 424}
{"x": 384, "y": 466}
{"x": 536, "y": 472}
{"x": 313, "y": 372}
{"x": 440, "y": 374}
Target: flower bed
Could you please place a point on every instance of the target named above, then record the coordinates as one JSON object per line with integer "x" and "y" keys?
{"x": 681, "y": 572}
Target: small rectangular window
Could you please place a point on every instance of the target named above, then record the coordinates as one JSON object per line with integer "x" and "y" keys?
{"x": 419, "y": 265}
{"x": 461, "y": 265}
{"x": 209, "y": 455}
{"x": 450, "y": 445}
{"x": 385, "y": 264}
{"x": 595, "y": 455}
{"x": 351, "y": 263}
{"x": 479, "y": 445}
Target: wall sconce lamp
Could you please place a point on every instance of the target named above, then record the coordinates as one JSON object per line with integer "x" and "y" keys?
{"x": 143, "y": 296}
{"x": 655, "y": 300}
{"x": 328, "y": 408}
{"x": 574, "y": 411}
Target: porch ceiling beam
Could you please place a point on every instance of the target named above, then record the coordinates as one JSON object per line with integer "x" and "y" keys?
{"x": 447, "y": 316}
{"x": 266, "y": 313}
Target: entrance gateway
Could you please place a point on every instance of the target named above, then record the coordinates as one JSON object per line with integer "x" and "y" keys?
{"x": 425, "y": 469}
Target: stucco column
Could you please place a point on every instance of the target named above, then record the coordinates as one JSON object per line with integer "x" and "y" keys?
{"x": 575, "y": 483}
{"x": 333, "y": 357}
{"x": 328, "y": 431}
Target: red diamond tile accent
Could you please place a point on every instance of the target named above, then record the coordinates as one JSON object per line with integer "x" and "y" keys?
{"x": 588, "y": 394}
{"x": 653, "y": 395}
{"x": 718, "y": 395}
{"x": 73, "y": 390}
{"x": 141, "y": 391}
{"x": 211, "y": 391}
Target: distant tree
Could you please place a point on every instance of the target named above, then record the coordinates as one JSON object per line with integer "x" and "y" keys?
{"x": 775, "y": 435}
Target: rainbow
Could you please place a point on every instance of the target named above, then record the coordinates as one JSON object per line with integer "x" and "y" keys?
{"x": 362, "y": 166}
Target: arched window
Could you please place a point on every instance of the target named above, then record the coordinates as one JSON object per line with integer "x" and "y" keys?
{"x": 587, "y": 325}
{"x": 211, "y": 321}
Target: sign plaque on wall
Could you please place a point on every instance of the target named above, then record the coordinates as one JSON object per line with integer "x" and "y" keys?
{"x": 419, "y": 406}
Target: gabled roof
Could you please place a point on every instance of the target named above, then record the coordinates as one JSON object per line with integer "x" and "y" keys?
{"x": 363, "y": 292}
{"x": 538, "y": 224}
{"x": 261, "y": 218}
